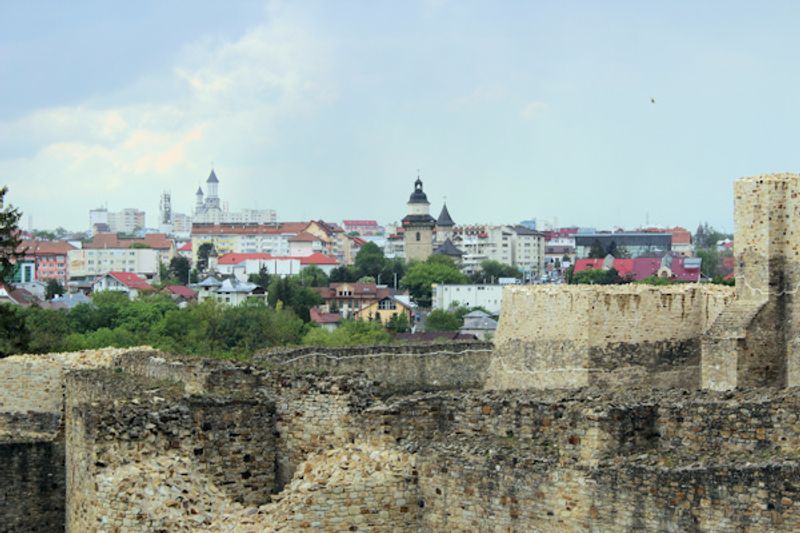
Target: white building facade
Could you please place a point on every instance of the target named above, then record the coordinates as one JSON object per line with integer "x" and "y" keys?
{"x": 85, "y": 263}
{"x": 490, "y": 297}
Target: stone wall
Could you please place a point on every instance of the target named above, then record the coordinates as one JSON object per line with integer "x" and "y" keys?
{"x": 115, "y": 419}
{"x": 398, "y": 368}
{"x": 32, "y": 481}
{"x": 580, "y": 335}
{"x": 630, "y": 461}
{"x": 755, "y": 342}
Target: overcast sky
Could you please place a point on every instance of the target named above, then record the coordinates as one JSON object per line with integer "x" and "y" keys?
{"x": 326, "y": 109}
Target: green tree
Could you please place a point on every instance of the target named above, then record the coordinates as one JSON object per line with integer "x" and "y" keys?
{"x": 293, "y": 295}
{"x": 313, "y": 276}
{"x": 710, "y": 265}
{"x": 47, "y": 330}
{"x": 370, "y": 260}
{"x": 398, "y": 323}
{"x": 491, "y": 271}
{"x": 597, "y": 251}
{"x": 53, "y": 288}
{"x": 441, "y": 320}
{"x": 422, "y": 275}
{"x": 596, "y": 276}
{"x": 622, "y": 253}
{"x": 393, "y": 270}
{"x": 139, "y": 245}
{"x": 194, "y": 276}
{"x": 707, "y": 236}
{"x": 349, "y": 333}
{"x": 203, "y": 252}
{"x": 179, "y": 269}
{"x": 9, "y": 238}
{"x": 261, "y": 279}
{"x": 343, "y": 274}
{"x": 14, "y": 335}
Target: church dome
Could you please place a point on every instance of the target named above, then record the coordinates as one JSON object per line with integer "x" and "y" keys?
{"x": 418, "y": 196}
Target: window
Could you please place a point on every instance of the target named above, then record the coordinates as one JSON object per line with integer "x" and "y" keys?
{"x": 418, "y": 236}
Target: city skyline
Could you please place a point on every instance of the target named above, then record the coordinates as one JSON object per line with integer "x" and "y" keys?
{"x": 597, "y": 115}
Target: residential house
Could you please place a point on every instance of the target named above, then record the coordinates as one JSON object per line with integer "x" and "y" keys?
{"x": 480, "y": 324}
{"x": 352, "y": 299}
{"x": 384, "y": 308}
{"x": 228, "y": 290}
{"x": 44, "y": 260}
{"x": 181, "y": 294}
{"x": 235, "y": 292}
{"x": 306, "y": 243}
{"x": 327, "y": 321}
{"x": 127, "y": 282}
{"x": 207, "y": 287}
{"x": 17, "y": 296}
{"x": 68, "y": 301}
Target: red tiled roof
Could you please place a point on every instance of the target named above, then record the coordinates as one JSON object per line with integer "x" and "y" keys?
{"x": 324, "y": 318}
{"x": 130, "y": 280}
{"x": 157, "y": 241}
{"x": 45, "y": 247}
{"x": 236, "y": 258}
{"x": 623, "y": 266}
{"x": 304, "y": 237}
{"x": 371, "y": 223}
{"x": 180, "y": 290}
{"x": 186, "y": 247}
{"x": 317, "y": 259}
{"x": 642, "y": 267}
{"x": 358, "y": 241}
{"x": 249, "y": 229}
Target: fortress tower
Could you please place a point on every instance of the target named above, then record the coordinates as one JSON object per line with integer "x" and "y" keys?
{"x": 756, "y": 340}
{"x": 418, "y": 225}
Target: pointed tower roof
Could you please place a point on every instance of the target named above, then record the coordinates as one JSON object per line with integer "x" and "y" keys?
{"x": 212, "y": 178}
{"x": 449, "y": 249}
{"x": 199, "y": 191}
{"x": 444, "y": 220}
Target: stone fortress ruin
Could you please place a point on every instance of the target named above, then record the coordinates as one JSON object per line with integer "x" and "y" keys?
{"x": 601, "y": 408}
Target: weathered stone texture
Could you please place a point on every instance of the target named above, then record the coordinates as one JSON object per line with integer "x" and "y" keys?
{"x": 398, "y": 368}
{"x": 32, "y": 486}
{"x": 755, "y": 342}
{"x": 574, "y": 336}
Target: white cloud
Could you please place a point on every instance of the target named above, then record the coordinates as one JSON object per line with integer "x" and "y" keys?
{"x": 232, "y": 92}
{"x": 533, "y": 110}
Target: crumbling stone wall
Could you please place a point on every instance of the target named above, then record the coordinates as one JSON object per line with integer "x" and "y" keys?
{"x": 575, "y": 336}
{"x": 398, "y": 368}
{"x": 628, "y": 461}
{"x": 114, "y": 419}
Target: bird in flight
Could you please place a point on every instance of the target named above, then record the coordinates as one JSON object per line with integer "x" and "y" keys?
{"x": 652, "y": 100}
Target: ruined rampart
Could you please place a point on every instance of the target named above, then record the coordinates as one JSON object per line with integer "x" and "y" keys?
{"x": 397, "y": 368}
{"x": 581, "y": 335}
